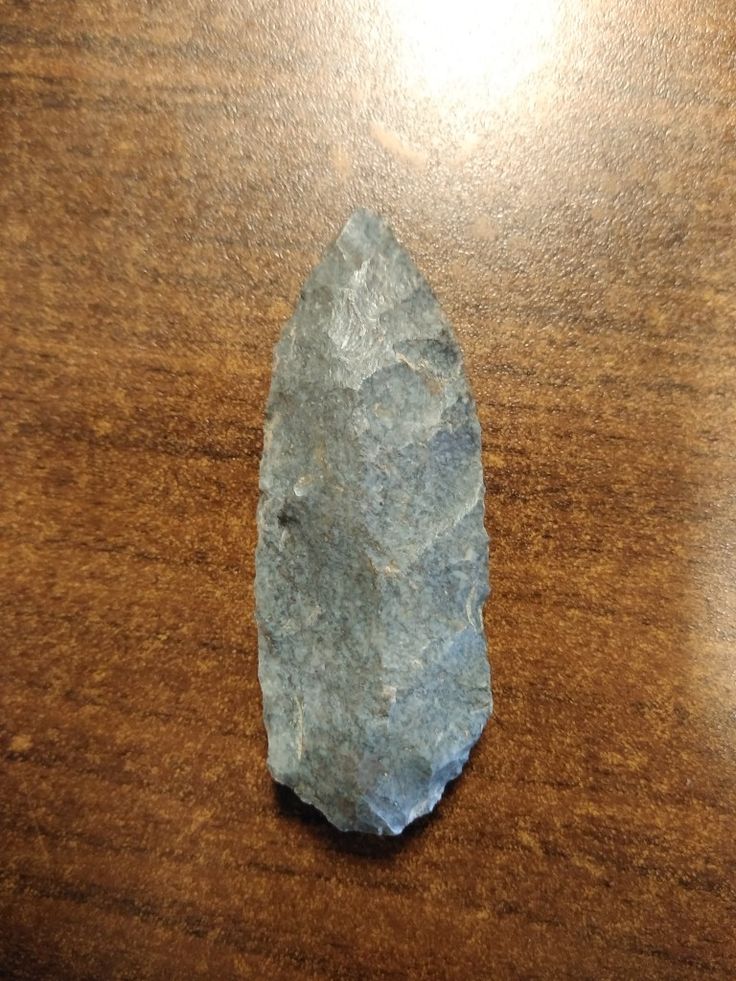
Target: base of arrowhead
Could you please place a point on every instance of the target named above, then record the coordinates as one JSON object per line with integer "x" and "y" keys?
{"x": 373, "y": 814}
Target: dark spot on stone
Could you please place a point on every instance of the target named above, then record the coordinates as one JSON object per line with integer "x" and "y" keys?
{"x": 287, "y": 517}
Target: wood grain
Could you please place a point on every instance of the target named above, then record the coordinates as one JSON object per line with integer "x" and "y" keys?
{"x": 169, "y": 172}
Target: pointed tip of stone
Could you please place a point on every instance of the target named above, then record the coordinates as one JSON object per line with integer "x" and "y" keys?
{"x": 364, "y": 233}
{"x": 366, "y": 220}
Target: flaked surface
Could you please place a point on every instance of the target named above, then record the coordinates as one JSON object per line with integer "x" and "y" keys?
{"x": 372, "y": 559}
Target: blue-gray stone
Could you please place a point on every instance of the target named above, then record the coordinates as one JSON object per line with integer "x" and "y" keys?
{"x": 372, "y": 558}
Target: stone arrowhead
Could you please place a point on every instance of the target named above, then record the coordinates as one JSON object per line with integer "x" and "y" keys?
{"x": 372, "y": 558}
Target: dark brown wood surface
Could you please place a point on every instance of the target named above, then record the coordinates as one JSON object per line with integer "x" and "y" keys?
{"x": 565, "y": 175}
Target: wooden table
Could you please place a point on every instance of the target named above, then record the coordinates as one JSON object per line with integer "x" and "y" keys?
{"x": 565, "y": 175}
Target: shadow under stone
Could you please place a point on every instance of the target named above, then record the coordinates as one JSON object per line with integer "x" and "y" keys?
{"x": 291, "y": 806}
